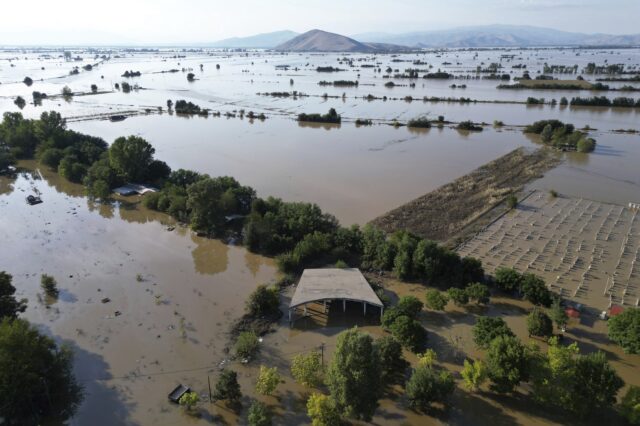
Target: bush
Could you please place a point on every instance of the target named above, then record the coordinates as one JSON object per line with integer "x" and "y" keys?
{"x": 247, "y": 345}
{"x": 427, "y": 386}
{"x": 630, "y": 405}
{"x": 306, "y": 369}
{"x": 469, "y": 126}
{"x": 508, "y": 279}
{"x": 436, "y": 300}
{"x": 409, "y": 333}
{"x": 512, "y": 202}
{"x": 392, "y": 363}
{"x": 459, "y": 296}
{"x": 624, "y": 329}
{"x": 323, "y": 411}
{"x": 478, "y": 292}
{"x": 227, "y": 387}
{"x": 421, "y": 123}
{"x": 486, "y": 329}
{"x": 539, "y": 324}
{"x": 189, "y": 400}
{"x": 263, "y": 302}
{"x": 259, "y": 414}
{"x": 331, "y": 117}
{"x": 474, "y": 374}
{"x": 49, "y": 285}
{"x": 268, "y": 380}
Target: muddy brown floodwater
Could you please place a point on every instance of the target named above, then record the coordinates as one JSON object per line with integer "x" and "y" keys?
{"x": 170, "y": 295}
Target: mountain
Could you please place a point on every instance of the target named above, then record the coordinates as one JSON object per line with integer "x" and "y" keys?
{"x": 500, "y": 36}
{"x": 259, "y": 41}
{"x": 322, "y": 41}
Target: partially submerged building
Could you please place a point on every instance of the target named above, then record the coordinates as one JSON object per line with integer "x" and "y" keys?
{"x": 333, "y": 284}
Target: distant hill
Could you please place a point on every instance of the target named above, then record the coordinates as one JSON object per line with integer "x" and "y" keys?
{"x": 258, "y": 41}
{"x": 322, "y": 41}
{"x": 500, "y": 36}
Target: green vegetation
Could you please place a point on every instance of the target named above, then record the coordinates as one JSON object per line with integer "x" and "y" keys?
{"x": 353, "y": 377}
{"x": 512, "y": 202}
{"x": 427, "y": 385}
{"x": 189, "y": 108}
{"x": 189, "y": 400}
{"x": 624, "y": 329}
{"x": 331, "y": 117}
{"x": 263, "y": 302}
{"x": 128, "y": 74}
{"x": 268, "y": 380}
{"x": 36, "y": 376}
{"x": 539, "y": 324}
{"x": 339, "y": 83}
{"x": 474, "y": 374}
{"x": 323, "y": 411}
{"x": 328, "y": 69}
{"x": 458, "y": 296}
{"x": 486, "y": 329}
{"x": 436, "y": 300}
{"x": 478, "y": 292}
{"x": 363, "y": 122}
{"x": 307, "y": 370}
{"x": 247, "y": 345}
{"x": 401, "y": 321}
{"x": 49, "y": 285}
{"x": 259, "y": 414}
{"x": 630, "y": 405}
{"x": 20, "y": 102}
{"x": 532, "y": 287}
{"x": 438, "y": 75}
{"x": 561, "y": 136}
{"x": 227, "y": 387}
{"x": 557, "y": 313}
{"x": 9, "y": 306}
{"x": 392, "y": 363}
{"x": 421, "y": 123}
{"x": 28, "y": 81}
{"x": 469, "y": 126}
{"x": 507, "y": 363}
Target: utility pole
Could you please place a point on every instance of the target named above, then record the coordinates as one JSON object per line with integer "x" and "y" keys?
{"x": 322, "y": 354}
{"x": 209, "y": 381}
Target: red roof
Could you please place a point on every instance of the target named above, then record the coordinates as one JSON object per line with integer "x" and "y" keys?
{"x": 615, "y": 310}
{"x": 572, "y": 312}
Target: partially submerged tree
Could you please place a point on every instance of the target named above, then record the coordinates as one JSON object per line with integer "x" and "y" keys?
{"x": 307, "y": 370}
{"x": 624, "y": 329}
{"x": 227, "y": 387}
{"x": 488, "y": 328}
{"x": 323, "y": 411}
{"x": 436, "y": 300}
{"x": 9, "y": 306}
{"x": 507, "y": 363}
{"x": 268, "y": 380}
{"x": 427, "y": 386}
{"x": 259, "y": 414}
{"x": 539, "y": 324}
{"x": 474, "y": 374}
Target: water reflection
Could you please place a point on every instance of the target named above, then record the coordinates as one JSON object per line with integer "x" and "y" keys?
{"x": 325, "y": 126}
{"x": 210, "y": 257}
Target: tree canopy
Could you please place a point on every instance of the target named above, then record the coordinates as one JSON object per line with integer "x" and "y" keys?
{"x": 624, "y": 329}
{"x": 9, "y": 306}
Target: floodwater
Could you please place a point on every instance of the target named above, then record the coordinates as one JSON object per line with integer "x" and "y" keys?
{"x": 143, "y": 307}
{"x": 172, "y": 295}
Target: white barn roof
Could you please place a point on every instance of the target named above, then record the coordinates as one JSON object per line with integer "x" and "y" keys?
{"x": 323, "y": 284}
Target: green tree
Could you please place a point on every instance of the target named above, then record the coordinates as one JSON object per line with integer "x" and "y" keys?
{"x": 508, "y": 279}
{"x": 436, "y": 300}
{"x": 558, "y": 314}
{"x": 595, "y": 385}
{"x": 307, "y": 370}
{"x": 512, "y": 201}
{"x": 247, "y": 345}
{"x": 189, "y": 400}
{"x": 478, "y": 292}
{"x": 353, "y": 377}
{"x": 263, "y": 302}
{"x": 507, "y": 363}
{"x": 488, "y": 328}
{"x": 323, "y": 411}
{"x": 392, "y": 363}
{"x": 472, "y": 271}
{"x": 259, "y": 414}
{"x": 624, "y": 329}
{"x": 268, "y": 380}
{"x": 630, "y": 405}
{"x": 409, "y": 333}
{"x": 458, "y": 296}
{"x": 535, "y": 290}
{"x": 6, "y": 159}
{"x": 50, "y": 126}
{"x": 9, "y": 306}
{"x": 227, "y": 387}
{"x": 539, "y": 324}
{"x": 131, "y": 157}
{"x": 474, "y": 374}
{"x": 410, "y": 306}
{"x": 427, "y": 386}
{"x": 36, "y": 376}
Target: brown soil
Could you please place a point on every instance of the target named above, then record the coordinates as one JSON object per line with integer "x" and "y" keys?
{"x": 462, "y": 207}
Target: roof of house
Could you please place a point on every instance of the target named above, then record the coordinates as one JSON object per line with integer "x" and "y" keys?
{"x": 333, "y": 283}
{"x": 133, "y": 188}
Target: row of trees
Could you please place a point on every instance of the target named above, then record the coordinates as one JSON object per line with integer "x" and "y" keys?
{"x": 561, "y": 135}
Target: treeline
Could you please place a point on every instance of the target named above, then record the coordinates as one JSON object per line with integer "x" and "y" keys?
{"x": 620, "y": 102}
{"x": 331, "y": 117}
{"x": 185, "y": 107}
{"x": 339, "y": 83}
{"x": 561, "y": 136}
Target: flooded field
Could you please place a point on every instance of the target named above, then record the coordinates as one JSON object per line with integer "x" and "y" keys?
{"x": 585, "y": 250}
{"x": 147, "y": 304}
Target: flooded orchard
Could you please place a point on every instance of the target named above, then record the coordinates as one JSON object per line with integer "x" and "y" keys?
{"x": 147, "y": 304}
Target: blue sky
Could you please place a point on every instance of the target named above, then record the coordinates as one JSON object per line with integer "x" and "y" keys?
{"x": 184, "y": 21}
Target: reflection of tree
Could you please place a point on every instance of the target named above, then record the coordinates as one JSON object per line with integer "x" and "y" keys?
{"x": 311, "y": 125}
{"x": 135, "y": 212}
{"x": 6, "y": 185}
{"x": 105, "y": 209}
{"x": 253, "y": 262}
{"x": 210, "y": 257}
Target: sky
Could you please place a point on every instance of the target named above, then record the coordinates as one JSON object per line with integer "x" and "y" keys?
{"x": 199, "y": 21}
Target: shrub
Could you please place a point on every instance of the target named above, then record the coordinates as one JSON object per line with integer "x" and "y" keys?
{"x": 508, "y": 279}
{"x": 436, "y": 300}
{"x": 478, "y": 292}
{"x": 539, "y": 324}
{"x": 512, "y": 202}
{"x": 458, "y": 296}
{"x": 49, "y": 285}
{"x": 268, "y": 380}
{"x": 227, "y": 387}
{"x": 323, "y": 411}
{"x": 422, "y": 123}
{"x": 427, "y": 386}
{"x": 469, "y": 126}
{"x": 486, "y": 329}
{"x": 259, "y": 414}
{"x": 263, "y": 302}
{"x": 306, "y": 369}
{"x": 624, "y": 329}
{"x": 473, "y": 374}
{"x": 189, "y": 400}
{"x": 247, "y": 345}
{"x": 409, "y": 333}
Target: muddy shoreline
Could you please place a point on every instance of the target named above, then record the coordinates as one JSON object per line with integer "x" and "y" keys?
{"x": 453, "y": 212}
